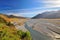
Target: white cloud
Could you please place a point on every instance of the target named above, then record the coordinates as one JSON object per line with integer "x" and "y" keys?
{"x": 29, "y": 12}
{"x": 50, "y": 3}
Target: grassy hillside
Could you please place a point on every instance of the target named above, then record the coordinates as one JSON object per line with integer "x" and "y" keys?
{"x": 20, "y": 21}
{"x": 9, "y": 32}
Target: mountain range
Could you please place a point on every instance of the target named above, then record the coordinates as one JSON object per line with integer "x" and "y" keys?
{"x": 11, "y": 16}
{"x": 48, "y": 14}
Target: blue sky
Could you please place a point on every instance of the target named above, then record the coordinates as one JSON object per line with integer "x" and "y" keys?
{"x": 28, "y": 8}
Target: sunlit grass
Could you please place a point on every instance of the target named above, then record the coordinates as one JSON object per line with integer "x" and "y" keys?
{"x": 8, "y": 32}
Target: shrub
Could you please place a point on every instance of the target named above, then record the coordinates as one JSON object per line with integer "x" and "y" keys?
{"x": 24, "y": 35}
{"x": 9, "y": 24}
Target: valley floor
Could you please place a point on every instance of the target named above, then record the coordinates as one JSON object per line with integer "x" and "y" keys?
{"x": 48, "y": 27}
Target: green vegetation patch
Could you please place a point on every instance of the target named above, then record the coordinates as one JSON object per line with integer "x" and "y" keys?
{"x": 7, "y": 34}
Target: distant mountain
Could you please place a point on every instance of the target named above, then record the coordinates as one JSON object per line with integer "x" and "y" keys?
{"x": 38, "y": 16}
{"x": 11, "y": 16}
{"x": 49, "y": 14}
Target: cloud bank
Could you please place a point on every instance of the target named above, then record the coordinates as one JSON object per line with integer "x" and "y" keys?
{"x": 50, "y": 3}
